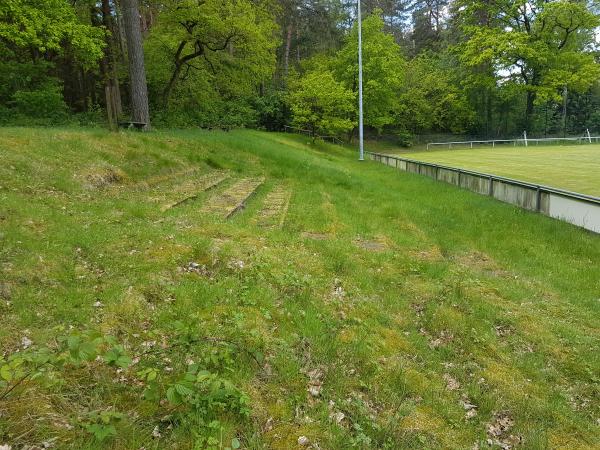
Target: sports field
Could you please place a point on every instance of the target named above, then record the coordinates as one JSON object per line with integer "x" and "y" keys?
{"x": 575, "y": 168}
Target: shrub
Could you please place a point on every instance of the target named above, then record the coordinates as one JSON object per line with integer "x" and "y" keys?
{"x": 15, "y": 76}
{"x": 214, "y": 114}
{"x": 272, "y": 111}
{"x": 322, "y": 104}
{"x": 5, "y": 115}
{"x": 403, "y": 138}
{"x": 44, "y": 103}
{"x": 93, "y": 117}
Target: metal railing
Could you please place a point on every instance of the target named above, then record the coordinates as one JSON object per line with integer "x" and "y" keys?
{"x": 525, "y": 142}
{"x": 312, "y": 134}
{"x": 578, "y": 209}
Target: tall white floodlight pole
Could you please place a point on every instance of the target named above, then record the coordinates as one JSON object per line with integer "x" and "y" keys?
{"x": 360, "y": 88}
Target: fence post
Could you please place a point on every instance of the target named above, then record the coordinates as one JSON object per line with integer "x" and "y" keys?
{"x": 525, "y": 137}
{"x": 588, "y": 135}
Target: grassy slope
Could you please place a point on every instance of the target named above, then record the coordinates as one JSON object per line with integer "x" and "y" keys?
{"x": 470, "y": 290}
{"x": 573, "y": 167}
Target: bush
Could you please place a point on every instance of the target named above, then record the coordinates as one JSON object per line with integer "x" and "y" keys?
{"x": 45, "y": 103}
{"x": 214, "y": 114}
{"x": 30, "y": 96}
{"x": 236, "y": 114}
{"x": 15, "y": 76}
{"x": 94, "y": 117}
{"x": 6, "y": 115}
{"x": 321, "y": 104}
{"x": 272, "y": 111}
{"x": 403, "y": 138}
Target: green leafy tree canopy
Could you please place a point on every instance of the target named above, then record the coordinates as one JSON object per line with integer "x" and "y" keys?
{"x": 383, "y": 66}
{"x": 48, "y": 26}
{"x": 321, "y": 104}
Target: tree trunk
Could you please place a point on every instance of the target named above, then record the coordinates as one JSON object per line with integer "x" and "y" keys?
{"x": 120, "y": 27}
{"x": 137, "y": 71}
{"x": 107, "y": 67}
{"x": 117, "y": 93}
{"x": 180, "y": 61}
{"x": 529, "y": 110}
{"x": 488, "y": 112}
{"x": 171, "y": 83}
{"x": 288, "y": 46}
{"x": 298, "y": 44}
{"x": 564, "y": 111}
{"x": 546, "y": 121}
{"x": 144, "y": 24}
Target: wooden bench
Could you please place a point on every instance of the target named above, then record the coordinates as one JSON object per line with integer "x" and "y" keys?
{"x": 130, "y": 125}
{"x": 217, "y": 128}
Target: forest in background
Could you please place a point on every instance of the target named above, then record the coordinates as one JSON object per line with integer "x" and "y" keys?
{"x": 488, "y": 68}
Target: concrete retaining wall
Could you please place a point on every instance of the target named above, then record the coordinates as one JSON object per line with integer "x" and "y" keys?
{"x": 578, "y": 209}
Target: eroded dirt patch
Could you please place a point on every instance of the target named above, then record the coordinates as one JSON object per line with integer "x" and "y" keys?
{"x": 316, "y": 236}
{"x": 429, "y": 254}
{"x": 371, "y": 245}
{"x": 101, "y": 177}
{"x": 5, "y": 291}
{"x": 499, "y": 432}
{"x": 480, "y": 262}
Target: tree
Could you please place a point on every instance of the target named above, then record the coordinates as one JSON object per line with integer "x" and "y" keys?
{"x": 319, "y": 28}
{"x": 394, "y": 13}
{"x": 112, "y": 94}
{"x": 214, "y": 36}
{"x": 137, "y": 71}
{"x": 321, "y": 104}
{"x": 431, "y": 98}
{"x": 43, "y": 44}
{"x": 102, "y": 14}
{"x": 382, "y": 66}
{"x": 424, "y": 35}
{"x": 290, "y": 21}
{"x": 45, "y": 28}
{"x": 540, "y": 46}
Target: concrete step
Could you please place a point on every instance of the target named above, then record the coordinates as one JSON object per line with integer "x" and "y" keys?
{"x": 157, "y": 180}
{"x": 191, "y": 189}
{"x": 233, "y": 199}
{"x": 274, "y": 209}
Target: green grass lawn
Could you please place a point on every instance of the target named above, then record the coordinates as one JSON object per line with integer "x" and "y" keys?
{"x": 574, "y": 167}
{"x": 347, "y": 303}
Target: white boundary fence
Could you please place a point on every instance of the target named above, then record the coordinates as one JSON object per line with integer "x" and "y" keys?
{"x": 524, "y": 141}
{"x": 578, "y": 209}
